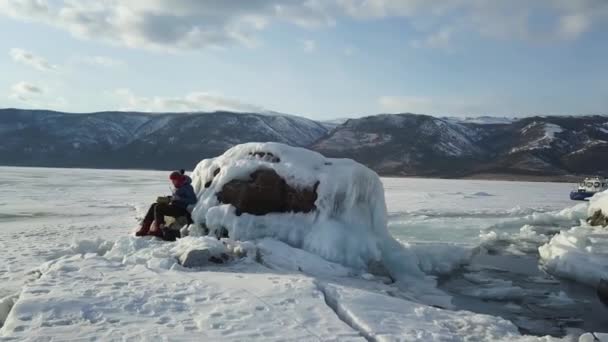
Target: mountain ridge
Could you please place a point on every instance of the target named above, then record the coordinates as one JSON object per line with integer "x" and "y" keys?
{"x": 391, "y": 144}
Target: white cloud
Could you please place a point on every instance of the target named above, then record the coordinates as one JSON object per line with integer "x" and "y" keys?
{"x": 36, "y": 96}
{"x": 572, "y": 26}
{"x": 513, "y": 19}
{"x": 309, "y": 45}
{"x": 100, "y": 61}
{"x": 27, "y": 58}
{"x": 437, "y": 40}
{"x": 177, "y": 25}
{"x": 192, "y": 102}
{"x": 24, "y": 91}
{"x": 167, "y": 24}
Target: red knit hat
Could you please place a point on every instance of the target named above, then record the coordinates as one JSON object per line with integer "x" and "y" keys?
{"x": 176, "y": 175}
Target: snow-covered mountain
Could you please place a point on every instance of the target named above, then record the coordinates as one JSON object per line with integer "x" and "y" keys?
{"x": 391, "y": 144}
{"x": 139, "y": 140}
{"x": 409, "y": 144}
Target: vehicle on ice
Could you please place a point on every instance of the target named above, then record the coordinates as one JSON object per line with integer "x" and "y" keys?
{"x": 589, "y": 187}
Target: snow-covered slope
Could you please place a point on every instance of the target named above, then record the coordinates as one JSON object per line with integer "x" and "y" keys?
{"x": 538, "y": 136}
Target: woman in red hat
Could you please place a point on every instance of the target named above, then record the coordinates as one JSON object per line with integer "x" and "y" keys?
{"x": 174, "y": 206}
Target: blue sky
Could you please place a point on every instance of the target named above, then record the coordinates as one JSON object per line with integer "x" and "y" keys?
{"x": 321, "y": 59}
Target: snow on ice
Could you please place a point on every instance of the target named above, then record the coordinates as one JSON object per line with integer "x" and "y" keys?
{"x": 290, "y": 276}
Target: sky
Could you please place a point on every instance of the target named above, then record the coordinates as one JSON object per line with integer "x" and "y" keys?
{"x": 322, "y": 59}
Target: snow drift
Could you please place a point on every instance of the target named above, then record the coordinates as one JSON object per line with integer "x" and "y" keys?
{"x": 348, "y": 224}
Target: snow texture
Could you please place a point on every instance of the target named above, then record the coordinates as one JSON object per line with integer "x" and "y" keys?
{"x": 85, "y": 297}
{"x": 97, "y": 283}
{"x": 137, "y": 290}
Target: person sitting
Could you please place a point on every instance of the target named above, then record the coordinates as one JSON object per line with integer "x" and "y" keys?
{"x": 174, "y": 206}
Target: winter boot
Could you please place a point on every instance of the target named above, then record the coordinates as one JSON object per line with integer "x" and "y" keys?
{"x": 144, "y": 229}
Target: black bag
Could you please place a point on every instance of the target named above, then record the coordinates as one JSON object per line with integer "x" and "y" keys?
{"x": 170, "y": 234}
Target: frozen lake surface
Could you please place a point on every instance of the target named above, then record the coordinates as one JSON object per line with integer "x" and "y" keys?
{"x": 45, "y": 214}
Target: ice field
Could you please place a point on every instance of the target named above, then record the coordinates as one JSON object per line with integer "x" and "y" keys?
{"x": 505, "y": 254}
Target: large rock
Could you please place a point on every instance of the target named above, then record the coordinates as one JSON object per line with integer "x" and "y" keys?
{"x": 202, "y": 257}
{"x": 598, "y": 210}
{"x": 266, "y": 192}
{"x": 598, "y": 219}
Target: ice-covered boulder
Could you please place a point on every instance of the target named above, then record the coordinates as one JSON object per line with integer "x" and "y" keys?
{"x": 334, "y": 208}
{"x": 598, "y": 210}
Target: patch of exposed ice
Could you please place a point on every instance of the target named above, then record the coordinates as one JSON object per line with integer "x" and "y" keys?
{"x": 383, "y": 318}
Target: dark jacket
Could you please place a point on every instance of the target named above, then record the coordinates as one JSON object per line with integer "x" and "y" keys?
{"x": 184, "y": 195}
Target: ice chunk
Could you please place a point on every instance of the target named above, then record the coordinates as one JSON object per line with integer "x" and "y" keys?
{"x": 278, "y": 255}
{"x": 441, "y": 258}
{"x": 580, "y": 254}
{"x": 199, "y": 252}
{"x": 383, "y": 318}
{"x": 6, "y": 304}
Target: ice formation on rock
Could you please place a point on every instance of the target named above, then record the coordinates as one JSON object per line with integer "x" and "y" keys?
{"x": 347, "y": 224}
{"x": 598, "y": 209}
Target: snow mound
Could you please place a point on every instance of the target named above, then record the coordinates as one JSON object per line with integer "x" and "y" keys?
{"x": 348, "y": 225}
{"x": 579, "y": 254}
{"x": 599, "y": 202}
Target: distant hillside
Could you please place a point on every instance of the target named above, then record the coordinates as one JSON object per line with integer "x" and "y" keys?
{"x": 139, "y": 140}
{"x": 420, "y": 145}
{"x": 398, "y": 144}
